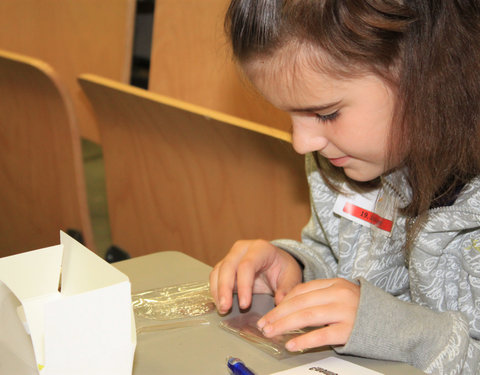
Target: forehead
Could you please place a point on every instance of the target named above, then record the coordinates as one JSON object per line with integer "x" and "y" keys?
{"x": 294, "y": 76}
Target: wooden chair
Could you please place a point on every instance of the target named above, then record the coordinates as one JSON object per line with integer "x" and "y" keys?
{"x": 182, "y": 177}
{"x": 191, "y": 61}
{"x": 74, "y": 37}
{"x": 42, "y": 187}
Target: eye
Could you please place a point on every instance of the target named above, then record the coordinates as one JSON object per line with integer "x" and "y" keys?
{"x": 327, "y": 118}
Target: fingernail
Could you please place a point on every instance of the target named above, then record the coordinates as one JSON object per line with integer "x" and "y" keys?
{"x": 290, "y": 346}
{"x": 261, "y": 323}
{"x": 267, "y": 329}
{"x": 222, "y": 304}
{"x": 243, "y": 303}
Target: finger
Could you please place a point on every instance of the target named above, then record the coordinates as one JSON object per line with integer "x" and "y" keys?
{"x": 250, "y": 276}
{"x": 288, "y": 283}
{"x": 225, "y": 285}
{"x": 213, "y": 283}
{"x": 310, "y": 286}
{"x": 221, "y": 286}
{"x": 288, "y": 280}
{"x": 245, "y": 280}
{"x": 295, "y": 303}
{"x": 317, "y": 307}
{"x": 335, "y": 334}
{"x": 309, "y": 317}
{"x": 227, "y": 275}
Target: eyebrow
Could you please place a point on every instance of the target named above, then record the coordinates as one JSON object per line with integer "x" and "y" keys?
{"x": 318, "y": 108}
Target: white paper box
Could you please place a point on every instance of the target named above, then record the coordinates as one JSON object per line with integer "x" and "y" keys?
{"x": 84, "y": 327}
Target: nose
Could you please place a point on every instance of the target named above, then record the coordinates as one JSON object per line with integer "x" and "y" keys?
{"x": 307, "y": 137}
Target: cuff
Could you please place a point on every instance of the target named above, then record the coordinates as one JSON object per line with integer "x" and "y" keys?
{"x": 391, "y": 329}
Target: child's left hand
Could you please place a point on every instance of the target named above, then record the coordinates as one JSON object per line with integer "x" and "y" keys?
{"x": 330, "y": 304}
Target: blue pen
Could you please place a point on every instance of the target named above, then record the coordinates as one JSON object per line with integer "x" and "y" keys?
{"x": 237, "y": 367}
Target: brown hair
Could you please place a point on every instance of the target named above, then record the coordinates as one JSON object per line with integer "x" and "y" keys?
{"x": 429, "y": 50}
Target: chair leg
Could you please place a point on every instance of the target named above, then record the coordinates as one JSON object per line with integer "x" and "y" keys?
{"x": 116, "y": 254}
{"x": 76, "y": 235}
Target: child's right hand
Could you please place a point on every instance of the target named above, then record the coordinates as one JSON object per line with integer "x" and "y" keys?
{"x": 253, "y": 266}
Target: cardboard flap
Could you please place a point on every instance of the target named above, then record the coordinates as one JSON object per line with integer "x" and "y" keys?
{"x": 42, "y": 267}
{"x": 83, "y": 270}
{"x": 16, "y": 349}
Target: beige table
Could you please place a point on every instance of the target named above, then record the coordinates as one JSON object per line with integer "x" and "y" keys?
{"x": 203, "y": 349}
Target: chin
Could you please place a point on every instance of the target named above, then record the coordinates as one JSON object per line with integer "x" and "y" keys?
{"x": 362, "y": 176}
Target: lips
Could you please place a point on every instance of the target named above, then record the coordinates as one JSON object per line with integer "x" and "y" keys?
{"x": 339, "y": 162}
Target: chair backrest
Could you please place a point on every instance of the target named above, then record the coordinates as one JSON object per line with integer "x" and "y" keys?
{"x": 74, "y": 37}
{"x": 191, "y": 61}
{"x": 42, "y": 187}
{"x": 181, "y": 177}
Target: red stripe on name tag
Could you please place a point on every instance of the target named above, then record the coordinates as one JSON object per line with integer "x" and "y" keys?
{"x": 368, "y": 216}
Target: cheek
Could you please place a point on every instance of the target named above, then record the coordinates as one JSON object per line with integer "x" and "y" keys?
{"x": 371, "y": 127}
{"x": 362, "y": 137}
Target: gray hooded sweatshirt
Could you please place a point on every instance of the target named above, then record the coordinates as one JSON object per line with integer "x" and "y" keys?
{"x": 422, "y": 309}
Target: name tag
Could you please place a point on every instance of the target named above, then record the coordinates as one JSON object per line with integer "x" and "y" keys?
{"x": 360, "y": 208}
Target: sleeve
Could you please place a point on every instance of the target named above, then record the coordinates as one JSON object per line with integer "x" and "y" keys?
{"x": 314, "y": 252}
{"x": 391, "y": 329}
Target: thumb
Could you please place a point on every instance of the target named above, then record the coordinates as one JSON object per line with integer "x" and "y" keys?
{"x": 286, "y": 284}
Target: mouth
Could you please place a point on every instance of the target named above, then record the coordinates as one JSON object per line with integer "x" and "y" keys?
{"x": 339, "y": 162}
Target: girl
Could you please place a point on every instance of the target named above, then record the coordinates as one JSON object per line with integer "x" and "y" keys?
{"x": 384, "y": 98}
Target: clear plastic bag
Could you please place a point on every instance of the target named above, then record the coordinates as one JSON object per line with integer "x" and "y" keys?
{"x": 171, "y": 325}
{"x": 245, "y": 326}
{"x": 174, "y": 302}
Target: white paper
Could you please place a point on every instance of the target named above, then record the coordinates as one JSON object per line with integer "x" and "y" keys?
{"x": 366, "y": 201}
{"x": 329, "y": 366}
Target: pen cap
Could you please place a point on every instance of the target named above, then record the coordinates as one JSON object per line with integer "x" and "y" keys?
{"x": 237, "y": 367}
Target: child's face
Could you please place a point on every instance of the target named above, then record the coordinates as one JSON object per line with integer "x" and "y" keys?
{"x": 346, "y": 121}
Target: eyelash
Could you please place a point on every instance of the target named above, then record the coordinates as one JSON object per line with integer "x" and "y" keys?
{"x": 327, "y": 118}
